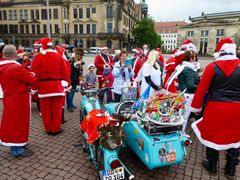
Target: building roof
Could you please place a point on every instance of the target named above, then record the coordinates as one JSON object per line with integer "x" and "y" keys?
{"x": 168, "y": 27}
{"x": 219, "y": 15}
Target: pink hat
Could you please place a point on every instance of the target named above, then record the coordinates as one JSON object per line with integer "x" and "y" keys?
{"x": 225, "y": 45}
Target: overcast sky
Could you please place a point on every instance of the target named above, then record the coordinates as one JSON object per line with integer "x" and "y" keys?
{"x": 162, "y": 10}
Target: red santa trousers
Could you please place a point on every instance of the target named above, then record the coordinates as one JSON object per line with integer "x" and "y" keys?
{"x": 51, "y": 109}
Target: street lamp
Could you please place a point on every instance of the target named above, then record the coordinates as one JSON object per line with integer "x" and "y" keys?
{"x": 48, "y": 20}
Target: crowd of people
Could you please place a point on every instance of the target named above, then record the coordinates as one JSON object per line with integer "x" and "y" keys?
{"x": 51, "y": 75}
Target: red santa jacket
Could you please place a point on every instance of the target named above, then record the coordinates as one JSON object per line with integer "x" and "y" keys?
{"x": 137, "y": 66}
{"x": 15, "y": 82}
{"x": 100, "y": 62}
{"x": 107, "y": 80}
{"x": 219, "y": 127}
{"x": 170, "y": 67}
{"x": 50, "y": 69}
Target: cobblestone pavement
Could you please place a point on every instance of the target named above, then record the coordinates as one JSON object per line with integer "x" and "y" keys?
{"x": 57, "y": 158}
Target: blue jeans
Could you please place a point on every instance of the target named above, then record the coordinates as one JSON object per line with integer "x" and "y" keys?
{"x": 108, "y": 92}
{"x": 17, "y": 150}
{"x": 117, "y": 97}
{"x": 69, "y": 98}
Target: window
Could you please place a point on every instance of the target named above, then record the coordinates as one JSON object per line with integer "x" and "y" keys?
{"x": 204, "y": 32}
{"x": 80, "y": 29}
{"x": 51, "y": 28}
{"x": 10, "y": 16}
{"x": 11, "y": 29}
{"x": 4, "y": 15}
{"x": 93, "y": 28}
{"x": 22, "y": 29}
{"x": 1, "y": 18}
{"x": 80, "y": 13}
{"x": 88, "y": 12}
{"x": 33, "y": 29}
{"x": 65, "y": 12}
{"x": 94, "y": 12}
{"x": 220, "y": 32}
{"x": 217, "y": 39}
{"x": 32, "y": 14}
{"x": 50, "y": 14}
{"x": 44, "y": 14}
{"x": 88, "y": 29}
{"x": 37, "y": 14}
{"x": 75, "y": 28}
{"x": 55, "y": 13}
{"x": 109, "y": 27}
{"x": 27, "y": 28}
{"x": 66, "y": 28}
{"x": 44, "y": 29}
{"x": 38, "y": 29}
{"x": 109, "y": 11}
{"x": 190, "y": 33}
{"x": 75, "y": 13}
{"x": 25, "y": 14}
{"x": 57, "y": 30}
{"x": 21, "y": 14}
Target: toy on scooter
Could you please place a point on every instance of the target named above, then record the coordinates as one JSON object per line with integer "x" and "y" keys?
{"x": 102, "y": 136}
{"x": 154, "y": 134}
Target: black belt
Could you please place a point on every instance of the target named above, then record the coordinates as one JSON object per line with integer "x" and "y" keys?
{"x": 50, "y": 79}
{"x": 225, "y": 53}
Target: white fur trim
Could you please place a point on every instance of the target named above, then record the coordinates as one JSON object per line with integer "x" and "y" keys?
{"x": 227, "y": 57}
{"x": 90, "y": 66}
{"x": 177, "y": 71}
{"x": 12, "y": 144}
{"x": 195, "y": 109}
{"x": 64, "y": 83}
{"x": 135, "y": 50}
{"x": 50, "y": 95}
{"x": 44, "y": 52}
{"x": 170, "y": 64}
{"x": 216, "y": 55}
{"x": 229, "y": 48}
{"x": 178, "y": 53}
{"x": 49, "y": 43}
{"x": 9, "y": 62}
{"x": 190, "y": 47}
{"x": 33, "y": 91}
{"x": 211, "y": 144}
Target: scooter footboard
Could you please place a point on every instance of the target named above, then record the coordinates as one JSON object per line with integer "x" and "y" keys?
{"x": 154, "y": 151}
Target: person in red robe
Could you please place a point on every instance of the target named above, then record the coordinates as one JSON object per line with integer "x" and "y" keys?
{"x": 50, "y": 69}
{"x": 99, "y": 62}
{"x": 219, "y": 129}
{"x": 137, "y": 61}
{"x": 15, "y": 81}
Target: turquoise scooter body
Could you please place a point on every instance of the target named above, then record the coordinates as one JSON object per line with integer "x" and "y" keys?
{"x": 154, "y": 149}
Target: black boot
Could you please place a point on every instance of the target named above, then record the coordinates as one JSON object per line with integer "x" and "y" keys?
{"x": 210, "y": 166}
{"x": 63, "y": 119}
{"x": 232, "y": 161}
{"x": 210, "y": 163}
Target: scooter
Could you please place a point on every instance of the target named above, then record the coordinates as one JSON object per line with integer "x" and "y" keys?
{"x": 102, "y": 136}
{"x": 156, "y": 144}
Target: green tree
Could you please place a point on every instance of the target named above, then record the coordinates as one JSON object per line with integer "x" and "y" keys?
{"x": 144, "y": 33}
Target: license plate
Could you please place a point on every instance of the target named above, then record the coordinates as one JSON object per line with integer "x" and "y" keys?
{"x": 113, "y": 174}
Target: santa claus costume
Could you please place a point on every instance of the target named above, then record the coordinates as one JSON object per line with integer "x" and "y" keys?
{"x": 15, "y": 82}
{"x": 170, "y": 67}
{"x": 220, "y": 125}
{"x": 50, "y": 69}
{"x": 136, "y": 61}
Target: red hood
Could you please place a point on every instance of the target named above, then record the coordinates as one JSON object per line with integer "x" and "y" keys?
{"x": 228, "y": 66}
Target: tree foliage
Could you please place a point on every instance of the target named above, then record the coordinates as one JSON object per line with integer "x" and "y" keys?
{"x": 144, "y": 33}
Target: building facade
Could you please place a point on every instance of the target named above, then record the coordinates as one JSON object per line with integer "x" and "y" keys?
{"x": 168, "y": 33}
{"x": 206, "y": 30}
{"x": 83, "y": 23}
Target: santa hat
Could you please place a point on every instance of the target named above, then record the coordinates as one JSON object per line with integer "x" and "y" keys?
{"x": 45, "y": 42}
{"x": 107, "y": 65}
{"x": 60, "y": 50}
{"x": 36, "y": 43}
{"x": 145, "y": 46}
{"x": 91, "y": 65}
{"x": 137, "y": 50}
{"x": 20, "y": 52}
{"x": 188, "y": 45}
{"x": 104, "y": 48}
{"x": 174, "y": 51}
{"x": 225, "y": 47}
{"x": 158, "y": 49}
